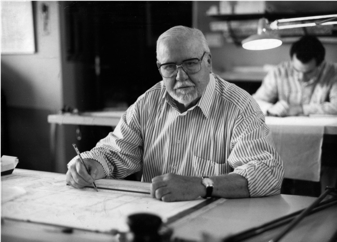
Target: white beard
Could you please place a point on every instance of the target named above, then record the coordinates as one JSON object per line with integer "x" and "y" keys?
{"x": 185, "y": 98}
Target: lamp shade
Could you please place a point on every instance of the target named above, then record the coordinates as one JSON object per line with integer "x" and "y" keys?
{"x": 264, "y": 39}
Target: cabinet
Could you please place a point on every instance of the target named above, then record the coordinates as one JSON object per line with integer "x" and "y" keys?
{"x": 3, "y": 128}
{"x": 115, "y": 43}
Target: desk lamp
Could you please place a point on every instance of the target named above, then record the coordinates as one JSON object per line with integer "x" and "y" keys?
{"x": 266, "y": 38}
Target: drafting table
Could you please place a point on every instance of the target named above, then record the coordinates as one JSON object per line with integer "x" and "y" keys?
{"x": 44, "y": 198}
{"x": 43, "y": 208}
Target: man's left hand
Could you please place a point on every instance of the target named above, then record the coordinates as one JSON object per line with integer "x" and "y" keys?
{"x": 171, "y": 187}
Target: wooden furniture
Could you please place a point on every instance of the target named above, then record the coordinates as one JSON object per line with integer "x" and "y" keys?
{"x": 43, "y": 208}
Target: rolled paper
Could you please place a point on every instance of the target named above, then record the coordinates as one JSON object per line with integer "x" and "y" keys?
{"x": 8, "y": 163}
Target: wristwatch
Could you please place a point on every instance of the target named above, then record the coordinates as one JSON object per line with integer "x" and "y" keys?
{"x": 208, "y": 183}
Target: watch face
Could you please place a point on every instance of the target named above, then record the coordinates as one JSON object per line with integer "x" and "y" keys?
{"x": 207, "y": 182}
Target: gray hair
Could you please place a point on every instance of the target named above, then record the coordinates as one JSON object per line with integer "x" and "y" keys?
{"x": 183, "y": 33}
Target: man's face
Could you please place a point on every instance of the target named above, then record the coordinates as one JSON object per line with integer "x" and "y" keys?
{"x": 182, "y": 87}
{"x": 306, "y": 70}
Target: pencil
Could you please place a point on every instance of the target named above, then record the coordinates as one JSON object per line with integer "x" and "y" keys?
{"x": 79, "y": 155}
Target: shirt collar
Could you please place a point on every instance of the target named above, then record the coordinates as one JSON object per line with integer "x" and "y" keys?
{"x": 205, "y": 101}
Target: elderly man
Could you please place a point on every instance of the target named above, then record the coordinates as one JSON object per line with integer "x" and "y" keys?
{"x": 192, "y": 134}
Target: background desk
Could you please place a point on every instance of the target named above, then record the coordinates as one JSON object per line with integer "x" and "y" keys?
{"x": 104, "y": 118}
{"x": 111, "y": 118}
{"x": 306, "y": 179}
{"x": 220, "y": 218}
{"x": 300, "y": 141}
{"x": 329, "y": 123}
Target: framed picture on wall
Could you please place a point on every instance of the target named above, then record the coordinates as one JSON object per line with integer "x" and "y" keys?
{"x": 17, "y": 28}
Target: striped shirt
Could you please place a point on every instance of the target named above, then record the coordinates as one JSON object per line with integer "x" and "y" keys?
{"x": 225, "y": 132}
{"x": 317, "y": 96}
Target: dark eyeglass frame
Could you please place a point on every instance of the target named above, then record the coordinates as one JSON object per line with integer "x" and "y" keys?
{"x": 181, "y": 65}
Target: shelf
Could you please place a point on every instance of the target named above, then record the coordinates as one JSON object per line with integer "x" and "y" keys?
{"x": 268, "y": 15}
{"x": 242, "y": 76}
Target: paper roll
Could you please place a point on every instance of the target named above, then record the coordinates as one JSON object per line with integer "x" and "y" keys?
{"x": 7, "y": 158}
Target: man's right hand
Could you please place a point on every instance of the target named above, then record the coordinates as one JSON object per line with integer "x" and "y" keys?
{"x": 279, "y": 109}
{"x": 78, "y": 177}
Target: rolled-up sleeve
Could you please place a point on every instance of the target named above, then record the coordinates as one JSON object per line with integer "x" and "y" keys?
{"x": 120, "y": 152}
{"x": 328, "y": 105}
{"x": 254, "y": 157}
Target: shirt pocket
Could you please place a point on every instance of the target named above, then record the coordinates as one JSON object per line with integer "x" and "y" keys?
{"x": 204, "y": 167}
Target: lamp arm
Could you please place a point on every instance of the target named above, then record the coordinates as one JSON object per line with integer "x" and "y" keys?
{"x": 326, "y": 20}
{"x": 276, "y": 24}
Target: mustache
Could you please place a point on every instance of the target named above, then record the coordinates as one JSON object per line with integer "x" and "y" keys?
{"x": 183, "y": 84}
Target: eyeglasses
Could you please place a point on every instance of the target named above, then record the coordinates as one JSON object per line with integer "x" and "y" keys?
{"x": 190, "y": 66}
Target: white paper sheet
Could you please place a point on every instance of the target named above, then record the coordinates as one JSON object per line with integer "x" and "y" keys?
{"x": 49, "y": 200}
{"x": 300, "y": 150}
{"x": 12, "y": 192}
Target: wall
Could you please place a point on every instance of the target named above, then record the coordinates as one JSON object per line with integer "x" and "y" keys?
{"x": 32, "y": 87}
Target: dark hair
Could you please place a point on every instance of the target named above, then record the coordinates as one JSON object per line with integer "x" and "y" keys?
{"x": 307, "y": 48}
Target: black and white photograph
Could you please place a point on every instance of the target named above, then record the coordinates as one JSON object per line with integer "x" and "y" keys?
{"x": 168, "y": 121}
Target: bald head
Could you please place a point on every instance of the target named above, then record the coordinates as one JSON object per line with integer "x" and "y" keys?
{"x": 183, "y": 36}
